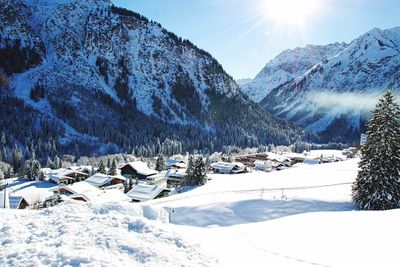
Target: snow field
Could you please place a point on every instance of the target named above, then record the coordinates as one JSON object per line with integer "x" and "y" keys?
{"x": 78, "y": 234}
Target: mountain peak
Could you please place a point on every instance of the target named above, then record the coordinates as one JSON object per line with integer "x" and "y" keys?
{"x": 287, "y": 65}
{"x": 321, "y": 98}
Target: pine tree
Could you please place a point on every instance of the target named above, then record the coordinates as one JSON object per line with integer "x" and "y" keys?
{"x": 190, "y": 169}
{"x": 102, "y": 168}
{"x": 160, "y": 164}
{"x": 108, "y": 163}
{"x": 17, "y": 159}
{"x": 57, "y": 162}
{"x": 50, "y": 163}
{"x": 113, "y": 168}
{"x": 200, "y": 171}
{"x": 377, "y": 186}
{"x": 32, "y": 169}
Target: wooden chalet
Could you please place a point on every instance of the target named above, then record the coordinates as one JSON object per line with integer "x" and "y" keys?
{"x": 228, "y": 168}
{"x": 143, "y": 192}
{"x": 81, "y": 191}
{"x": 175, "y": 164}
{"x": 105, "y": 181}
{"x": 176, "y": 178}
{"x": 137, "y": 170}
{"x": 68, "y": 177}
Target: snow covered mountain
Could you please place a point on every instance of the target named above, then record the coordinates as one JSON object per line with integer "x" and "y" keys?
{"x": 334, "y": 96}
{"x": 88, "y": 68}
{"x": 286, "y": 66}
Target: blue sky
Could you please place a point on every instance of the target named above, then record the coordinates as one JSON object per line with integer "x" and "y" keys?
{"x": 243, "y": 37}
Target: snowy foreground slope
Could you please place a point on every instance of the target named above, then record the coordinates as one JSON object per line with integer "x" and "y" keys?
{"x": 302, "y": 216}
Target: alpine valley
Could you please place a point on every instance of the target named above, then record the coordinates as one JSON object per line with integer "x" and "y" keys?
{"x": 86, "y": 77}
{"x": 331, "y": 89}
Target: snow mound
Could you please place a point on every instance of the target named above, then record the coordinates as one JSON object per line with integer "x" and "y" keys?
{"x": 90, "y": 234}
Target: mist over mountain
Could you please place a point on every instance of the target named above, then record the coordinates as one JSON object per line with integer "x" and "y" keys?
{"x": 333, "y": 93}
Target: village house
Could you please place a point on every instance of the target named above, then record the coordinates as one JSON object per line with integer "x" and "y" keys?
{"x": 105, "y": 181}
{"x": 81, "y": 191}
{"x": 176, "y": 177}
{"x": 228, "y": 168}
{"x": 249, "y": 160}
{"x": 137, "y": 170}
{"x": 175, "y": 164}
{"x": 63, "y": 176}
{"x": 143, "y": 192}
{"x": 12, "y": 202}
{"x": 263, "y": 165}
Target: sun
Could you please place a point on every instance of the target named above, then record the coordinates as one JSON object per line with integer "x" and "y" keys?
{"x": 291, "y": 12}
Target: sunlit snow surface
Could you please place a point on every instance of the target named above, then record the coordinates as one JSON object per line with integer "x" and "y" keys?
{"x": 301, "y": 216}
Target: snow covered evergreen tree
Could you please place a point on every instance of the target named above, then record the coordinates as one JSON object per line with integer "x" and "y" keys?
{"x": 32, "y": 170}
{"x": 113, "y": 168}
{"x": 160, "y": 164}
{"x": 200, "y": 171}
{"x": 17, "y": 159}
{"x": 102, "y": 168}
{"x": 377, "y": 186}
{"x": 190, "y": 168}
{"x": 57, "y": 162}
{"x": 197, "y": 171}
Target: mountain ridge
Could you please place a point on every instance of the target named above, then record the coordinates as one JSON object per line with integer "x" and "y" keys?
{"x": 92, "y": 61}
{"x": 319, "y": 98}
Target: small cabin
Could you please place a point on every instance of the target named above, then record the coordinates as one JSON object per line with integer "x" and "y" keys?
{"x": 105, "y": 181}
{"x": 263, "y": 165}
{"x": 228, "y": 168}
{"x": 175, "y": 164}
{"x": 81, "y": 191}
{"x": 137, "y": 169}
{"x": 143, "y": 192}
{"x": 176, "y": 178}
{"x": 68, "y": 177}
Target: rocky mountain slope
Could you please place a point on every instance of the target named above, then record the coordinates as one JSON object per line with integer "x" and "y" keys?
{"x": 334, "y": 96}
{"x": 286, "y": 66}
{"x": 94, "y": 72}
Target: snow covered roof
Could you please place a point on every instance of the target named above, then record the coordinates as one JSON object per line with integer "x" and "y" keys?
{"x": 113, "y": 195}
{"x": 15, "y": 201}
{"x": 175, "y": 163}
{"x": 227, "y": 165}
{"x": 100, "y": 179}
{"x": 80, "y": 167}
{"x": 141, "y": 168}
{"x": 143, "y": 192}
{"x": 32, "y": 191}
{"x": 176, "y": 174}
{"x": 262, "y": 162}
{"x": 4, "y": 201}
{"x": 82, "y": 189}
{"x": 276, "y": 157}
{"x": 65, "y": 174}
